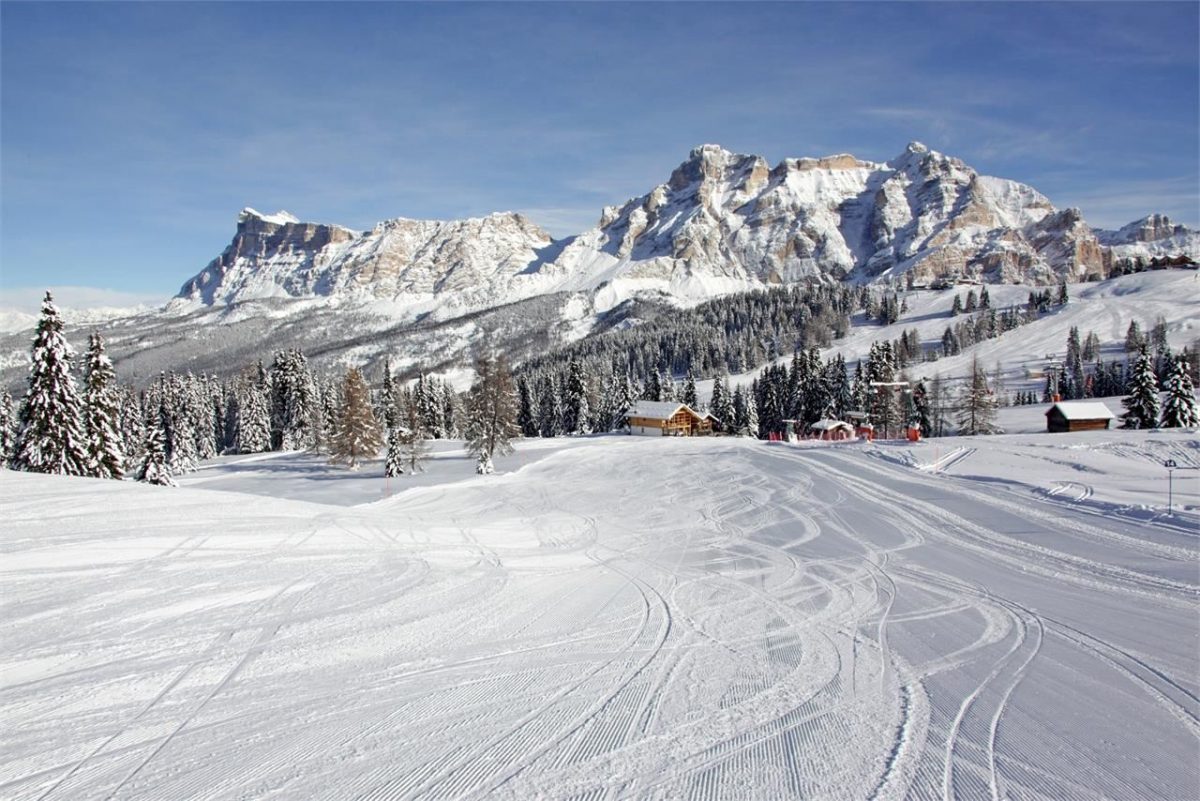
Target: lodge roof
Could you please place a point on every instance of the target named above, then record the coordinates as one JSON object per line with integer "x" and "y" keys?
{"x": 657, "y": 410}
{"x": 829, "y": 425}
{"x": 1082, "y": 410}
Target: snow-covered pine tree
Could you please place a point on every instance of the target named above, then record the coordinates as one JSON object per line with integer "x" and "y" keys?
{"x": 653, "y": 390}
{"x": 105, "y": 447}
{"x": 841, "y": 397}
{"x": 753, "y": 427}
{"x": 526, "y": 413}
{"x": 430, "y": 406}
{"x": 414, "y": 449}
{"x": 388, "y": 398}
{"x": 977, "y": 410}
{"x": 1179, "y": 407}
{"x": 154, "y": 468}
{"x": 1063, "y": 295}
{"x": 253, "y": 434}
{"x": 689, "y": 390}
{"x": 51, "y": 437}
{"x": 1141, "y": 405}
{"x": 7, "y": 428}
{"x": 357, "y": 435}
{"x": 549, "y": 407}
{"x": 491, "y": 412}
{"x": 450, "y": 411}
{"x": 576, "y": 411}
{"x": 133, "y": 424}
{"x": 1134, "y": 339}
{"x": 293, "y": 395}
{"x": 394, "y": 463}
{"x": 920, "y": 409}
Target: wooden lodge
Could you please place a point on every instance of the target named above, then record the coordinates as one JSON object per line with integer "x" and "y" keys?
{"x": 667, "y": 419}
{"x": 832, "y": 430}
{"x": 1078, "y": 416}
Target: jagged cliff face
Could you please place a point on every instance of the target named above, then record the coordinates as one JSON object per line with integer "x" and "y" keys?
{"x": 732, "y": 216}
{"x": 279, "y": 256}
{"x": 721, "y": 223}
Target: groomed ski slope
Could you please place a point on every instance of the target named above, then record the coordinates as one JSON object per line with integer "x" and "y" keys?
{"x": 619, "y": 618}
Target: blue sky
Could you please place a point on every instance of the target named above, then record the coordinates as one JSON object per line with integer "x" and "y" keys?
{"x": 132, "y": 134}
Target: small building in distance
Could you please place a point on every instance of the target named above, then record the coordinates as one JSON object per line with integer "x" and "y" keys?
{"x": 1078, "y": 416}
{"x": 832, "y": 430}
{"x": 667, "y": 419}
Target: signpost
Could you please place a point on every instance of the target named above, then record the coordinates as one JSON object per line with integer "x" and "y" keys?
{"x": 1170, "y": 465}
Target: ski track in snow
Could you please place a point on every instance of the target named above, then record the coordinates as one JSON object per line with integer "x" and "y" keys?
{"x": 624, "y": 618}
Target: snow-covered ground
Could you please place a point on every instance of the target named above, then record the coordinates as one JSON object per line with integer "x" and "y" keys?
{"x": 991, "y": 617}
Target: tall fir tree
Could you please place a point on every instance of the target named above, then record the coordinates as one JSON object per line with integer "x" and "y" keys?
{"x": 576, "y": 411}
{"x": 689, "y": 390}
{"x": 8, "y": 424}
{"x": 526, "y": 412}
{"x": 253, "y": 433}
{"x": 1141, "y": 405}
{"x": 414, "y": 448}
{"x": 154, "y": 468}
{"x": 393, "y": 464}
{"x": 357, "y": 435}
{"x": 920, "y": 409}
{"x": 1179, "y": 407}
{"x": 977, "y": 409}
{"x": 105, "y": 446}
{"x": 388, "y": 398}
{"x": 491, "y": 413}
{"x": 51, "y": 437}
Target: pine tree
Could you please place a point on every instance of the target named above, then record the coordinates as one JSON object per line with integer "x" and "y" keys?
{"x": 357, "y": 434}
{"x": 1179, "y": 408}
{"x": 576, "y": 412}
{"x": 689, "y": 390}
{"x": 388, "y": 398}
{"x": 105, "y": 448}
{"x": 549, "y": 408}
{"x": 526, "y": 414}
{"x": 977, "y": 412}
{"x": 414, "y": 449}
{"x": 394, "y": 464}
{"x": 449, "y": 410}
{"x": 1134, "y": 339}
{"x": 920, "y": 410}
{"x": 1141, "y": 405}
{"x": 294, "y": 397}
{"x": 491, "y": 413}
{"x": 753, "y": 427}
{"x": 7, "y": 428}
{"x": 1063, "y": 295}
{"x": 154, "y": 469}
{"x": 253, "y": 433}
{"x": 51, "y": 438}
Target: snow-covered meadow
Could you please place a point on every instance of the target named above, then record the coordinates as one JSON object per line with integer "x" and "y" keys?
{"x": 612, "y": 617}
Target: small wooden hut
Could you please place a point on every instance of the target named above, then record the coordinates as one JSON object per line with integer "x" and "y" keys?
{"x": 1078, "y": 416}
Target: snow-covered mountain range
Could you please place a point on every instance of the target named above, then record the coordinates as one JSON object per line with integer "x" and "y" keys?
{"x": 429, "y": 294}
{"x": 721, "y": 223}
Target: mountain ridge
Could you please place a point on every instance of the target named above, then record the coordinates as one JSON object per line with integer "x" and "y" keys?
{"x": 722, "y": 222}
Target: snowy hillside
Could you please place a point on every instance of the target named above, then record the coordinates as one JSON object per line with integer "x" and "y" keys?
{"x": 620, "y": 617}
{"x": 1105, "y": 307}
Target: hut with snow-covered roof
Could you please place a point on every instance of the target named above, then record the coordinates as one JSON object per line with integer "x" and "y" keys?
{"x": 1078, "y": 416}
{"x": 667, "y": 419}
{"x": 833, "y": 430}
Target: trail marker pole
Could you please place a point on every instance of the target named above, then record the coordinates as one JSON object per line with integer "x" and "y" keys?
{"x": 1170, "y": 465}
